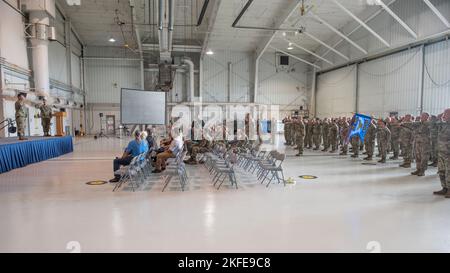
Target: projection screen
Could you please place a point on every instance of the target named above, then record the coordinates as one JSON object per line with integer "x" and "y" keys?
{"x": 142, "y": 107}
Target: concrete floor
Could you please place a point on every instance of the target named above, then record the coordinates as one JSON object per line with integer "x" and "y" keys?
{"x": 349, "y": 208}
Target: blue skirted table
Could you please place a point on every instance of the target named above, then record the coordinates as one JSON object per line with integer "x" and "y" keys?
{"x": 15, "y": 154}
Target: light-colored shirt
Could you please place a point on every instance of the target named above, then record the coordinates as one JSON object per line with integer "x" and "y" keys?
{"x": 176, "y": 145}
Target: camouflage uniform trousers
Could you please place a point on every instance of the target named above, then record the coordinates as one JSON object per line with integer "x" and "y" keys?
{"x": 20, "y": 122}
{"x": 383, "y": 147}
{"x": 395, "y": 147}
{"x": 407, "y": 157}
{"x": 333, "y": 141}
{"x": 198, "y": 150}
{"x": 422, "y": 154}
{"x": 316, "y": 140}
{"x": 300, "y": 143}
{"x": 355, "y": 145}
{"x": 434, "y": 157}
{"x": 444, "y": 169}
{"x": 46, "y": 125}
{"x": 370, "y": 146}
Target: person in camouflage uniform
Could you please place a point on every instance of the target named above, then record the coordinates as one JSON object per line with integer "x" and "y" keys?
{"x": 434, "y": 127}
{"x": 354, "y": 140}
{"x": 300, "y": 134}
{"x": 287, "y": 130}
{"x": 308, "y": 135}
{"x": 325, "y": 133}
{"x": 406, "y": 138}
{"x": 443, "y": 146}
{"x": 316, "y": 133}
{"x": 21, "y": 115}
{"x": 369, "y": 140}
{"x": 395, "y": 137}
{"x": 422, "y": 143}
{"x": 46, "y": 116}
{"x": 384, "y": 137}
{"x": 203, "y": 146}
{"x": 343, "y": 135}
{"x": 333, "y": 135}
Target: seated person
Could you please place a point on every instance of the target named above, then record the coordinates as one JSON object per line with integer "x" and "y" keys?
{"x": 134, "y": 148}
{"x": 150, "y": 139}
{"x": 203, "y": 146}
{"x": 170, "y": 151}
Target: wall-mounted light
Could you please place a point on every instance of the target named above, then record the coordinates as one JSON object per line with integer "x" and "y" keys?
{"x": 290, "y": 46}
{"x": 209, "y": 52}
{"x": 112, "y": 40}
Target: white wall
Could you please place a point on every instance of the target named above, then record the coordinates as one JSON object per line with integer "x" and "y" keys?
{"x": 336, "y": 93}
{"x": 391, "y": 84}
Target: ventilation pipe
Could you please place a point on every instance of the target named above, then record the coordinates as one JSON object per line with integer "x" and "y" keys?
{"x": 190, "y": 65}
{"x": 39, "y": 42}
{"x": 170, "y": 31}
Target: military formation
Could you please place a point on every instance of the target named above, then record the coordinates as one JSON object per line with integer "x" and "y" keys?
{"x": 424, "y": 140}
{"x": 21, "y": 114}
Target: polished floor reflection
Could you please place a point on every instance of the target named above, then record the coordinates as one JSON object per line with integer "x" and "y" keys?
{"x": 350, "y": 207}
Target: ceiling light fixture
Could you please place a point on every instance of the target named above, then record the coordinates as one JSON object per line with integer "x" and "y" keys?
{"x": 112, "y": 40}
{"x": 290, "y": 46}
{"x": 209, "y": 52}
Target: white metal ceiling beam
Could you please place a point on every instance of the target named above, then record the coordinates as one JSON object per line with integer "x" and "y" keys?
{"x": 211, "y": 22}
{"x": 356, "y": 28}
{"x": 339, "y": 33}
{"x": 362, "y": 23}
{"x": 398, "y": 19}
{"x": 295, "y": 57}
{"x": 280, "y": 21}
{"x": 325, "y": 45}
{"x": 308, "y": 51}
{"x": 438, "y": 13}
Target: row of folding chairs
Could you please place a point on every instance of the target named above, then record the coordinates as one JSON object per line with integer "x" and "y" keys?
{"x": 135, "y": 173}
{"x": 177, "y": 168}
{"x": 266, "y": 165}
{"x": 220, "y": 164}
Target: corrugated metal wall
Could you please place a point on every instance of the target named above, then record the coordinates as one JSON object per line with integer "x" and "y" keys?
{"x": 391, "y": 84}
{"x": 104, "y": 79}
{"x": 436, "y": 95}
{"x": 76, "y": 70}
{"x": 215, "y": 76}
{"x": 336, "y": 93}
{"x": 285, "y": 88}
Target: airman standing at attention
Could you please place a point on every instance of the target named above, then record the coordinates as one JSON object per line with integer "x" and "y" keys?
{"x": 344, "y": 133}
{"x": 395, "y": 137}
{"x": 422, "y": 143}
{"x": 308, "y": 133}
{"x": 370, "y": 140}
{"x": 384, "y": 137}
{"x": 316, "y": 132}
{"x": 325, "y": 133}
{"x": 406, "y": 138}
{"x": 21, "y": 115}
{"x": 434, "y": 127}
{"x": 46, "y": 116}
{"x": 355, "y": 145}
{"x": 444, "y": 153}
{"x": 287, "y": 130}
{"x": 333, "y": 135}
{"x": 300, "y": 127}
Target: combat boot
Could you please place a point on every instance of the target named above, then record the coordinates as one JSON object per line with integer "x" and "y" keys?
{"x": 383, "y": 160}
{"x": 416, "y": 172}
{"x": 393, "y": 157}
{"x": 434, "y": 164}
{"x": 343, "y": 153}
{"x": 441, "y": 192}
{"x": 299, "y": 154}
{"x": 354, "y": 156}
{"x": 369, "y": 158}
{"x": 406, "y": 165}
{"x": 447, "y": 195}
{"x": 21, "y": 137}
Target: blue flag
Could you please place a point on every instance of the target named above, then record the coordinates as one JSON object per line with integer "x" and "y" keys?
{"x": 359, "y": 127}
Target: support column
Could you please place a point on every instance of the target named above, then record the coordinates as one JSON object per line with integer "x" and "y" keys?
{"x": 357, "y": 88}
{"x": 422, "y": 81}
{"x": 39, "y": 42}
{"x": 230, "y": 67}
{"x": 313, "y": 94}
{"x": 2, "y": 101}
{"x": 67, "y": 42}
{"x": 256, "y": 79}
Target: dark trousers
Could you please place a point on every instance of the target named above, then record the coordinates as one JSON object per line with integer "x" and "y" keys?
{"x": 121, "y": 162}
